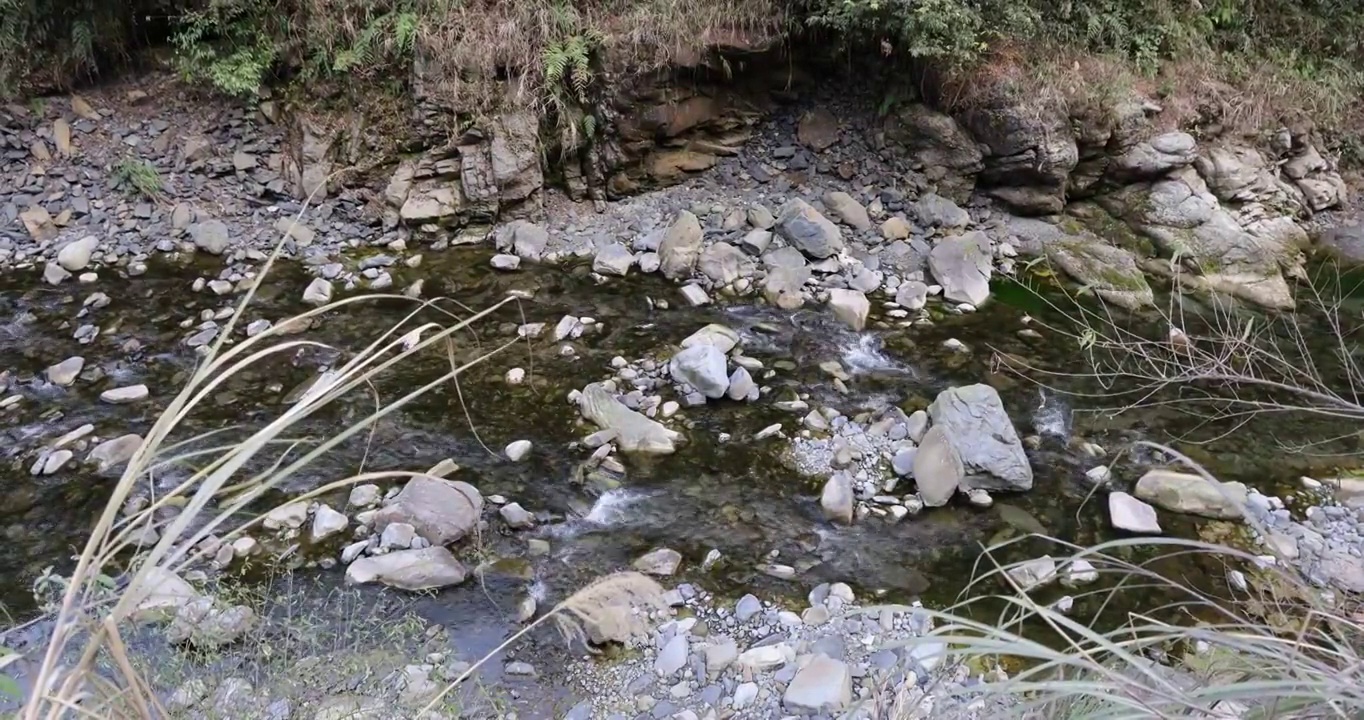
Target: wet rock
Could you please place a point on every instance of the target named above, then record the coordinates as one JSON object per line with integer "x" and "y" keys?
{"x": 845, "y": 208}
{"x": 1130, "y": 514}
{"x": 822, "y": 686}
{"x": 703, "y": 367}
{"x": 64, "y": 373}
{"x": 516, "y": 517}
{"x": 911, "y": 295}
{"x": 518, "y": 450}
{"x": 937, "y": 211}
{"x": 287, "y": 516}
{"x": 1111, "y": 272}
{"x": 211, "y": 236}
{"x": 318, "y": 292}
{"x": 681, "y": 247}
{"x": 938, "y": 468}
{"x": 742, "y": 387}
{"x": 695, "y": 295}
{"x": 124, "y": 395}
{"x": 661, "y": 562}
{"x": 1192, "y": 494}
{"x": 1079, "y": 572}
{"x": 328, "y": 522}
{"x": 722, "y": 337}
{"x": 836, "y": 501}
{"x": 1033, "y": 573}
{"x": 424, "y": 569}
{"x": 991, "y": 452}
{"x": 962, "y": 265}
{"x": 613, "y": 259}
{"x": 808, "y": 231}
{"x": 442, "y": 511}
{"x": 634, "y": 431}
{"x": 113, "y": 453}
{"x": 505, "y": 262}
{"x": 850, "y": 306}
{"x": 723, "y": 263}
{"x": 75, "y": 256}
{"x": 54, "y": 274}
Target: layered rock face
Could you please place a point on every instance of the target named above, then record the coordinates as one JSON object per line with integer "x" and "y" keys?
{"x": 1119, "y": 193}
{"x": 1100, "y": 193}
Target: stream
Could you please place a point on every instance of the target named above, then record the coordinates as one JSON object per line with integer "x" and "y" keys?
{"x": 735, "y": 496}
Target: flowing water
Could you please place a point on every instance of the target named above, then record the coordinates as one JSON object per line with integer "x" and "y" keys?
{"x": 737, "y": 496}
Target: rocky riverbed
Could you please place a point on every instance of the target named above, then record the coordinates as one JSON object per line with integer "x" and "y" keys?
{"x": 774, "y": 376}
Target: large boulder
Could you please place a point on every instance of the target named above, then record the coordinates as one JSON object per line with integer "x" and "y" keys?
{"x": 938, "y": 470}
{"x": 523, "y": 239}
{"x": 432, "y": 201}
{"x": 703, "y": 367}
{"x": 681, "y": 247}
{"x": 962, "y": 264}
{"x": 634, "y": 432}
{"x": 974, "y": 418}
{"x": 1192, "y": 494}
{"x": 442, "y": 511}
{"x": 1185, "y": 221}
{"x": 1111, "y": 272}
{"x": 947, "y": 155}
{"x": 801, "y": 225}
{"x": 414, "y": 570}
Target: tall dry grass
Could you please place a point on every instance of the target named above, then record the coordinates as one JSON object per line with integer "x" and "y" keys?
{"x": 89, "y": 625}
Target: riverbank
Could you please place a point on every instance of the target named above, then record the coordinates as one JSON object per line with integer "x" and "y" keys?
{"x": 844, "y": 359}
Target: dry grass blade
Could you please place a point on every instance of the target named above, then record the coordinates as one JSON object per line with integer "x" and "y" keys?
{"x": 88, "y": 617}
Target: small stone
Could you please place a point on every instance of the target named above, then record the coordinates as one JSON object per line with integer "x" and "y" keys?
{"x": 661, "y": 562}
{"x": 124, "y": 395}
{"x": 318, "y": 292}
{"x": 328, "y": 522}
{"x": 516, "y": 517}
{"x": 518, "y": 450}
{"x": 506, "y": 262}
{"x": 64, "y": 373}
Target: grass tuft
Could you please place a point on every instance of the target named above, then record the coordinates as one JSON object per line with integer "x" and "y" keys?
{"x": 138, "y": 176}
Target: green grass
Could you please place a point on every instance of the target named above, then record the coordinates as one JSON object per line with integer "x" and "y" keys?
{"x": 139, "y": 177}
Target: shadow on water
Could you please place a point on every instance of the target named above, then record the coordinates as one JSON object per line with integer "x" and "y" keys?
{"x": 737, "y": 496}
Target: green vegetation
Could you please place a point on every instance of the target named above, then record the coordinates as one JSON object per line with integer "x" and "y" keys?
{"x": 137, "y": 176}
{"x": 1258, "y": 58}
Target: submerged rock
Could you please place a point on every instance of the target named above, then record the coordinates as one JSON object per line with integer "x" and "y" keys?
{"x": 634, "y": 431}
{"x": 974, "y": 418}
{"x": 661, "y": 562}
{"x": 424, "y": 569}
{"x": 850, "y": 306}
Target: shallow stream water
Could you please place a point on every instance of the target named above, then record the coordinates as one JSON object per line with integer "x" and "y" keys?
{"x": 736, "y": 496}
